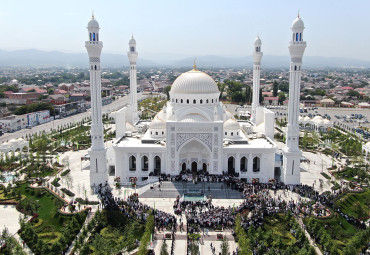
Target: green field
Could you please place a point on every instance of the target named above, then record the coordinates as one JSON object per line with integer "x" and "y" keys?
{"x": 355, "y": 204}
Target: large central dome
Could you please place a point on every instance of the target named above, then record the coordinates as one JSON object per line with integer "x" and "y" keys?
{"x": 194, "y": 82}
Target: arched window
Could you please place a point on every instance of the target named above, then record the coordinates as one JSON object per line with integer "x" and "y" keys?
{"x": 300, "y": 37}
{"x": 90, "y": 37}
{"x": 256, "y": 164}
{"x": 194, "y": 101}
{"x": 162, "y": 133}
{"x": 132, "y": 163}
{"x": 187, "y": 101}
{"x": 296, "y": 37}
{"x": 144, "y": 163}
{"x": 176, "y": 100}
{"x": 201, "y": 101}
{"x": 207, "y": 101}
{"x": 212, "y": 101}
{"x": 182, "y": 101}
{"x": 225, "y": 133}
{"x": 156, "y": 133}
{"x": 295, "y": 68}
{"x": 243, "y": 164}
{"x": 95, "y": 67}
{"x": 94, "y": 37}
{"x": 232, "y": 133}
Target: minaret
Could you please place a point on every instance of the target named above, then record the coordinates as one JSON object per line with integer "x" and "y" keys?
{"x": 98, "y": 164}
{"x": 257, "y": 56}
{"x": 132, "y": 57}
{"x": 292, "y": 154}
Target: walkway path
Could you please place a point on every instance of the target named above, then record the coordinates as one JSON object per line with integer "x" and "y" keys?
{"x": 312, "y": 242}
{"x": 89, "y": 217}
{"x": 25, "y": 247}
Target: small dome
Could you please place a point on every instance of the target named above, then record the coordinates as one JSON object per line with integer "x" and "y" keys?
{"x": 194, "y": 82}
{"x": 257, "y": 41}
{"x": 93, "y": 23}
{"x": 317, "y": 118}
{"x": 298, "y": 23}
{"x": 132, "y": 41}
{"x": 326, "y": 121}
{"x": 300, "y": 118}
{"x": 157, "y": 124}
{"x": 307, "y": 118}
{"x": 231, "y": 124}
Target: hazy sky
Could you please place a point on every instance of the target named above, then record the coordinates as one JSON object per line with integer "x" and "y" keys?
{"x": 173, "y": 29}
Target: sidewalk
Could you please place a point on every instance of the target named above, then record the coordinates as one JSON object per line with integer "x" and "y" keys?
{"x": 25, "y": 247}
{"x": 312, "y": 242}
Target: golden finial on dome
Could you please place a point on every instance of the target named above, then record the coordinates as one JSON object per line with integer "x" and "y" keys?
{"x": 298, "y": 14}
{"x": 195, "y": 64}
{"x": 92, "y": 16}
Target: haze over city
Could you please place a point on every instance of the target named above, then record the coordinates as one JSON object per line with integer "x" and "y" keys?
{"x": 171, "y": 30}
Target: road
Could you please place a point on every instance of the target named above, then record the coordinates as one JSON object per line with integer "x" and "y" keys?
{"x": 115, "y": 105}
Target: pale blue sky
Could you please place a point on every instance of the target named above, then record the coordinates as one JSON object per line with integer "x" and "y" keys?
{"x": 172, "y": 29}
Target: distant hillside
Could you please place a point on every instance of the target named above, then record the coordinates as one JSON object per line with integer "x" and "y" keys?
{"x": 56, "y": 58}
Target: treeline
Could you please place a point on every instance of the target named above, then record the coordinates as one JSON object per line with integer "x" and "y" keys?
{"x": 34, "y": 108}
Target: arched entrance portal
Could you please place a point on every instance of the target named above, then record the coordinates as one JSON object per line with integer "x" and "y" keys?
{"x": 195, "y": 153}
{"x": 194, "y": 169}
{"x": 157, "y": 166}
{"x": 204, "y": 167}
{"x": 183, "y": 167}
{"x": 231, "y": 166}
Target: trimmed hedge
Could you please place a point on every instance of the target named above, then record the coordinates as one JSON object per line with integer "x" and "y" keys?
{"x": 145, "y": 240}
{"x": 326, "y": 176}
{"x": 67, "y": 192}
{"x": 64, "y": 173}
{"x": 86, "y": 201}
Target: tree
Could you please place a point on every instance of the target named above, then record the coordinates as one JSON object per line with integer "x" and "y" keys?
{"x": 224, "y": 246}
{"x": 275, "y": 87}
{"x": 282, "y": 98}
{"x": 164, "y": 248}
{"x": 166, "y": 90}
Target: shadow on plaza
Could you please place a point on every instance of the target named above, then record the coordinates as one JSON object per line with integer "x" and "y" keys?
{"x": 218, "y": 190}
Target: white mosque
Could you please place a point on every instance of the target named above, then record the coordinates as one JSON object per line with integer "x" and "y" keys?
{"x": 194, "y": 131}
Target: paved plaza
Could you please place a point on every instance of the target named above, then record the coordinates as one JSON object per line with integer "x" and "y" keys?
{"x": 9, "y": 218}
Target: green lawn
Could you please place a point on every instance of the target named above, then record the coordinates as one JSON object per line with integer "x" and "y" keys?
{"x": 354, "y": 204}
{"x": 50, "y": 225}
{"x": 336, "y": 235}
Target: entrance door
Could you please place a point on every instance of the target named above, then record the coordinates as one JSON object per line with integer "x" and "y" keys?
{"x": 194, "y": 169}
{"x": 204, "y": 167}
{"x": 183, "y": 167}
{"x": 231, "y": 166}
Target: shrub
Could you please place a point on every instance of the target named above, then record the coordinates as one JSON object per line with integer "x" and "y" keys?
{"x": 326, "y": 176}
{"x": 67, "y": 192}
{"x": 55, "y": 182}
{"x": 86, "y": 201}
{"x": 64, "y": 173}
